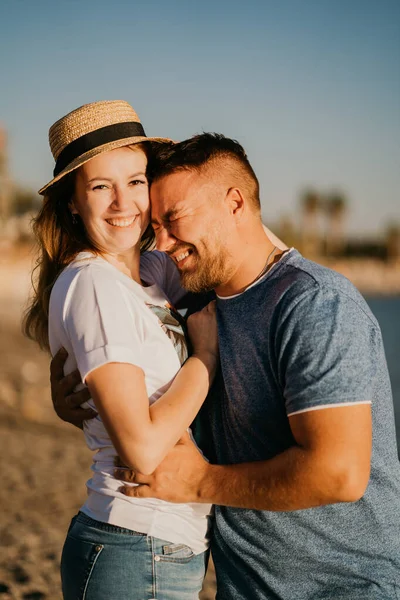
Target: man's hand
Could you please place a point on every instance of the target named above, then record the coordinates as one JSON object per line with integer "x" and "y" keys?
{"x": 179, "y": 478}
{"x": 329, "y": 463}
{"x": 66, "y": 402}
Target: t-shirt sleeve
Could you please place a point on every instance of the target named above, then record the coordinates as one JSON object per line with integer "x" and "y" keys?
{"x": 325, "y": 351}
{"x": 99, "y": 323}
{"x": 157, "y": 267}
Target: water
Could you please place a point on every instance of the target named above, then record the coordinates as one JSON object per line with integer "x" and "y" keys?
{"x": 387, "y": 311}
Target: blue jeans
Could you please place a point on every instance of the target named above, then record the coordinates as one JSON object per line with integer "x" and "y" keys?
{"x": 104, "y": 562}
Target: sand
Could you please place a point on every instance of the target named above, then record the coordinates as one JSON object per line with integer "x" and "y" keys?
{"x": 44, "y": 462}
{"x": 44, "y": 469}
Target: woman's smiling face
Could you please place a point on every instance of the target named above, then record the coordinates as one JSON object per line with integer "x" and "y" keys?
{"x": 112, "y": 199}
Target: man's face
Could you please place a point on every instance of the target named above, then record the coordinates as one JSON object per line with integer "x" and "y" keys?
{"x": 191, "y": 224}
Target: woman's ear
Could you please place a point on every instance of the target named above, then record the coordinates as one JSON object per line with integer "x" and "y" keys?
{"x": 72, "y": 207}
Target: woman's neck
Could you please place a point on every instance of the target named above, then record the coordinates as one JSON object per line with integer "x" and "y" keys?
{"x": 126, "y": 262}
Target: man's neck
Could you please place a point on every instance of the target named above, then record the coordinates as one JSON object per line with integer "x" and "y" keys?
{"x": 254, "y": 257}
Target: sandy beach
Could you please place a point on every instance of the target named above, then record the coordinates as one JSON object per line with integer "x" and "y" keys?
{"x": 44, "y": 462}
{"x": 43, "y": 472}
{"x": 44, "y": 469}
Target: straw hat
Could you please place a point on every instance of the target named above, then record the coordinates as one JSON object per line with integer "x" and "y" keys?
{"x": 90, "y": 130}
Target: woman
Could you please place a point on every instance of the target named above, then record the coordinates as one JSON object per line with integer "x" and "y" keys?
{"x": 112, "y": 313}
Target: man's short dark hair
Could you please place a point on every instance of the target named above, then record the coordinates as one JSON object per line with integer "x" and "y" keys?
{"x": 203, "y": 151}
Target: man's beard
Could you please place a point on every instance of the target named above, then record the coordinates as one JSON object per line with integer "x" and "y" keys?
{"x": 210, "y": 272}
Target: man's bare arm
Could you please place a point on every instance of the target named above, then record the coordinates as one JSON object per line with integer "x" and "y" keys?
{"x": 330, "y": 463}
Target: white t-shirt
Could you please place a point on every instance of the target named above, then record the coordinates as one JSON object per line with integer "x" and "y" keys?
{"x": 101, "y": 315}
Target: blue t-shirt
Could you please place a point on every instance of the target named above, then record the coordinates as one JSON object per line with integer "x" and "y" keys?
{"x": 301, "y": 339}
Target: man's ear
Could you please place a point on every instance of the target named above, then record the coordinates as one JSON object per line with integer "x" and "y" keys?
{"x": 236, "y": 202}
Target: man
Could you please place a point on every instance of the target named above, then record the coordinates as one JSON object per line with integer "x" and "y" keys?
{"x": 299, "y": 427}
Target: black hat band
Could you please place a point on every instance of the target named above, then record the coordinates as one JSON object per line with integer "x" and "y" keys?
{"x": 99, "y": 137}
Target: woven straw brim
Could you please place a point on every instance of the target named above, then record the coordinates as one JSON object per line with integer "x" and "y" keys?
{"x": 80, "y": 160}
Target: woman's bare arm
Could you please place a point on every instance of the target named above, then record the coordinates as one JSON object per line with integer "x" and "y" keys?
{"x": 143, "y": 435}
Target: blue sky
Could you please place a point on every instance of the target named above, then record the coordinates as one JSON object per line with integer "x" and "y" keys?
{"x": 310, "y": 87}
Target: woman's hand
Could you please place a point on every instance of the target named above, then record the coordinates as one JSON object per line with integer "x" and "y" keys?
{"x": 203, "y": 333}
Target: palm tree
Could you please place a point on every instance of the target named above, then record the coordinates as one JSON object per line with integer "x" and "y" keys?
{"x": 336, "y": 208}
{"x": 310, "y": 232}
{"x": 393, "y": 242}
{"x": 287, "y": 231}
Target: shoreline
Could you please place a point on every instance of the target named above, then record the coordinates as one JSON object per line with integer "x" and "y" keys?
{"x": 370, "y": 276}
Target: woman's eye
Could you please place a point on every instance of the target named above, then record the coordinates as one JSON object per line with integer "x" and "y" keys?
{"x": 101, "y": 186}
{"x": 137, "y": 181}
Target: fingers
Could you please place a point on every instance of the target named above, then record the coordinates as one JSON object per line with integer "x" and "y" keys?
{"x": 75, "y": 400}
{"x": 212, "y": 306}
{"x": 130, "y": 476}
{"x": 69, "y": 382}
{"x": 57, "y": 365}
{"x": 85, "y": 414}
{"x": 79, "y": 415}
{"x": 124, "y": 474}
{"x": 138, "y": 491}
{"x": 118, "y": 462}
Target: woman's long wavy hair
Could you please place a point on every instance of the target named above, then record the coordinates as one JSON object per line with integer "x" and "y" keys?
{"x": 60, "y": 236}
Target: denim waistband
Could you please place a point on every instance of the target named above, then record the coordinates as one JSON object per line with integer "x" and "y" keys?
{"x": 85, "y": 520}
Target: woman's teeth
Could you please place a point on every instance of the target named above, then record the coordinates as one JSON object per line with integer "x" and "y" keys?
{"x": 121, "y": 222}
{"x": 181, "y": 256}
